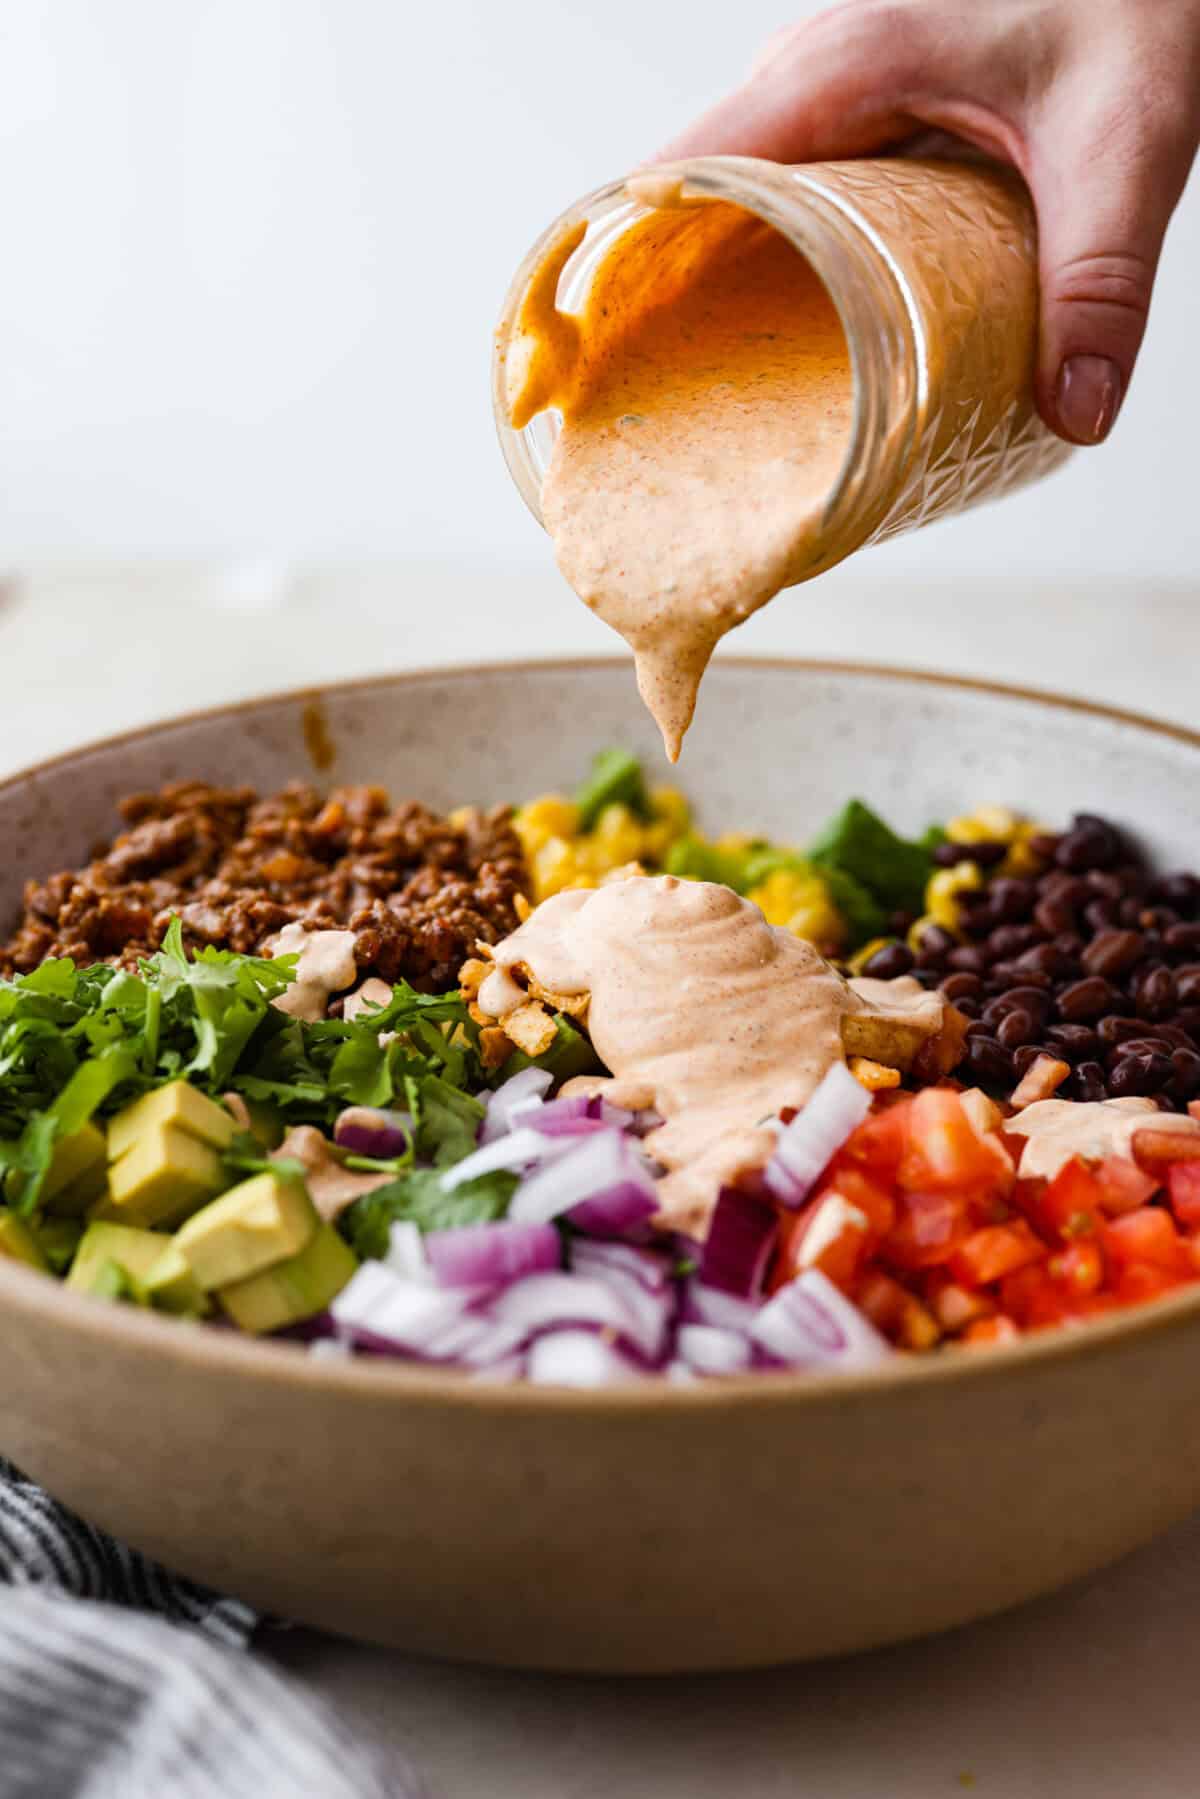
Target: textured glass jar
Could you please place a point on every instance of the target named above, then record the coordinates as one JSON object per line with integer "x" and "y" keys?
{"x": 932, "y": 266}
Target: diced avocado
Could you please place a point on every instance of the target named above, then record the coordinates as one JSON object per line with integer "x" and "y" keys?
{"x": 76, "y": 1174}
{"x": 58, "y": 1239}
{"x": 102, "y": 1245}
{"x": 292, "y": 1290}
{"x": 162, "y": 1177}
{"x": 264, "y": 1220}
{"x": 173, "y": 1287}
{"x": 177, "y": 1105}
{"x": 891, "y": 868}
{"x": 75, "y": 1159}
{"x": 18, "y": 1243}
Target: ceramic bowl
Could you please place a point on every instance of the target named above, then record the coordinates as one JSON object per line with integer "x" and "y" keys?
{"x": 649, "y": 1527}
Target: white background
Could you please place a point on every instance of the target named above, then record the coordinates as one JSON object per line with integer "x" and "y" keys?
{"x": 253, "y": 251}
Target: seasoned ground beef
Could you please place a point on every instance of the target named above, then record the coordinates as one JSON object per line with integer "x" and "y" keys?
{"x": 416, "y": 889}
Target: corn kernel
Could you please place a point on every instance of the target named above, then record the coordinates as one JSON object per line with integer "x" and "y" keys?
{"x": 544, "y": 818}
{"x": 555, "y": 866}
{"x": 670, "y": 808}
{"x": 943, "y": 888}
{"x": 819, "y": 923}
{"x": 618, "y": 836}
{"x": 782, "y": 894}
{"x": 987, "y": 824}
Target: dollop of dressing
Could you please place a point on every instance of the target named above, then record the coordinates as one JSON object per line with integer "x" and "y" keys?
{"x": 1055, "y": 1130}
{"x": 326, "y": 966}
{"x": 700, "y": 1009}
{"x": 706, "y": 396}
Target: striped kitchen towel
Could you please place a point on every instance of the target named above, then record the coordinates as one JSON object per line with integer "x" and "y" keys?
{"x": 119, "y": 1681}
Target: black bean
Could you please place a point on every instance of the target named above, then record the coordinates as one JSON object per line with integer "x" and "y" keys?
{"x": 1012, "y": 899}
{"x": 968, "y": 958}
{"x": 1115, "y": 1029}
{"x": 1047, "y": 959}
{"x": 1140, "y": 1074}
{"x": 948, "y": 855}
{"x": 1105, "y": 885}
{"x": 1138, "y": 1046}
{"x": 962, "y": 986}
{"x": 901, "y": 923}
{"x": 892, "y": 960}
{"x": 1187, "y": 983}
{"x": 1133, "y": 877}
{"x": 1177, "y": 1038}
{"x": 1015, "y": 1028}
{"x": 1043, "y": 845}
{"x": 1016, "y": 974}
{"x": 1088, "y": 844}
{"x": 1188, "y": 1019}
{"x": 1017, "y": 999}
{"x": 1071, "y": 890}
{"x": 1112, "y": 952}
{"x": 970, "y": 1008}
{"x": 1012, "y": 940}
{"x": 1085, "y": 1000}
{"x": 1182, "y": 939}
{"x": 1154, "y": 993}
{"x": 976, "y": 1028}
{"x": 1074, "y": 1042}
{"x": 1186, "y": 1064}
{"x": 1131, "y": 914}
{"x": 988, "y": 1060}
{"x": 1100, "y": 915}
{"x": 1069, "y": 944}
{"x": 935, "y": 944}
{"x": 1179, "y": 890}
{"x": 1053, "y": 916}
{"x": 928, "y": 977}
{"x": 1088, "y": 1082}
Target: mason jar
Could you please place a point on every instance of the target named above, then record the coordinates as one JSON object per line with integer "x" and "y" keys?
{"x": 932, "y": 266}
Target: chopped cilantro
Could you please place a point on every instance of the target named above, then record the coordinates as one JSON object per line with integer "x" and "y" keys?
{"x": 420, "y": 1198}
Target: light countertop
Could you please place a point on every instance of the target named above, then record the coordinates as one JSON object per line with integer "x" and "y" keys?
{"x": 1089, "y": 1695}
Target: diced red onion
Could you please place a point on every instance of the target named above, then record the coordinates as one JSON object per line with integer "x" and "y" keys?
{"x": 591, "y": 1169}
{"x": 647, "y": 1266}
{"x": 618, "y": 1213}
{"x": 406, "y": 1251}
{"x": 491, "y": 1255}
{"x": 809, "y": 1323}
{"x": 577, "y": 1358}
{"x": 709, "y": 1305}
{"x": 369, "y": 1131}
{"x": 804, "y": 1147}
{"x": 376, "y": 1303}
{"x": 516, "y": 1151}
{"x": 564, "y": 1118}
{"x": 710, "y": 1350}
{"x": 527, "y": 1086}
{"x": 741, "y": 1236}
{"x": 545, "y": 1302}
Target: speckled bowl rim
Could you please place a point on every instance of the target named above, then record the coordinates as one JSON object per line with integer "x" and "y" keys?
{"x": 376, "y": 1378}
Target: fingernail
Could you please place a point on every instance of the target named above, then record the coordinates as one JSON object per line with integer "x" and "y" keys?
{"x": 1087, "y": 397}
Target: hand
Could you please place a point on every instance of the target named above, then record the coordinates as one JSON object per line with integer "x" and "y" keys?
{"x": 1096, "y": 102}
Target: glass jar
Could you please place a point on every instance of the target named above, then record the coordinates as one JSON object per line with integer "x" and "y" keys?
{"x": 932, "y": 266}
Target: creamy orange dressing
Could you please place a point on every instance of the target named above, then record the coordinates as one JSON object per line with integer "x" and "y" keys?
{"x": 700, "y": 1009}
{"x": 706, "y": 399}
{"x": 331, "y": 1187}
{"x": 326, "y": 966}
{"x": 1055, "y": 1130}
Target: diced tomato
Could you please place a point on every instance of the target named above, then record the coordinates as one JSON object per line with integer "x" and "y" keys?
{"x": 1160, "y": 1144}
{"x": 953, "y": 1305}
{"x": 1123, "y": 1185}
{"x": 991, "y": 1330}
{"x": 1033, "y": 1298}
{"x": 947, "y": 1154}
{"x": 1147, "y": 1236}
{"x": 896, "y": 1312}
{"x": 999, "y": 1249}
{"x": 880, "y": 1141}
{"x": 1183, "y": 1191}
{"x": 1071, "y": 1205}
{"x": 927, "y": 1230}
{"x": 1193, "y": 1249}
{"x": 1139, "y": 1281}
{"x": 1078, "y": 1267}
{"x": 837, "y": 1231}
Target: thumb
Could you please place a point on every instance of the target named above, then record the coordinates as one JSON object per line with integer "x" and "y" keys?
{"x": 1103, "y": 209}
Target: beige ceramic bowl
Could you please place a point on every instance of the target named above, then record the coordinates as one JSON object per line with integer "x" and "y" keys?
{"x": 649, "y": 1528}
